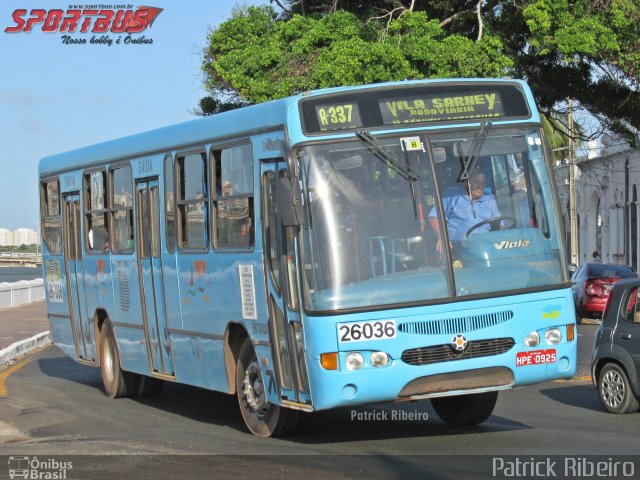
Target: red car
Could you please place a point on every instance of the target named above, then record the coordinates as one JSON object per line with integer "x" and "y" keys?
{"x": 591, "y": 284}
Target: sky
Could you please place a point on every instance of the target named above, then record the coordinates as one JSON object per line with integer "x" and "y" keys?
{"x": 56, "y": 97}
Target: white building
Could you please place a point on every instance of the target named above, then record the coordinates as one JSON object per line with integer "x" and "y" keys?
{"x": 25, "y": 236}
{"x": 6, "y": 237}
{"x": 21, "y": 236}
{"x": 608, "y": 193}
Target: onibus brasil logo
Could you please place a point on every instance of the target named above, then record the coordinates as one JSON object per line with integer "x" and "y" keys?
{"x": 121, "y": 20}
{"x": 33, "y": 468}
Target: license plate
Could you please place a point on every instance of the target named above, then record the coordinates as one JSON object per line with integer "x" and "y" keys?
{"x": 535, "y": 357}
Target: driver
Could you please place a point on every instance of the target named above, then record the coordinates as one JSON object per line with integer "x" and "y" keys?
{"x": 465, "y": 208}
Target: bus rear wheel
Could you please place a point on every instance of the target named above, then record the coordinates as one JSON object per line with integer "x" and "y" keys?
{"x": 465, "y": 409}
{"x": 262, "y": 418}
{"x": 117, "y": 383}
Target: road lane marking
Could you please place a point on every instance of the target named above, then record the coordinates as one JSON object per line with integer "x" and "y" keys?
{"x": 9, "y": 433}
{"x": 4, "y": 374}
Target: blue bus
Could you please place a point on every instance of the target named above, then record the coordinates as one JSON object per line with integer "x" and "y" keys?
{"x": 312, "y": 252}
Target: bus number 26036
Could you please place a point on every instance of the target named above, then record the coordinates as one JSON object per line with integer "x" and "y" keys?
{"x": 362, "y": 331}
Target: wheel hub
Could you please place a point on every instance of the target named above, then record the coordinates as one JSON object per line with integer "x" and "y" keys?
{"x": 613, "y": 389}
{"x": 254, "y": 388}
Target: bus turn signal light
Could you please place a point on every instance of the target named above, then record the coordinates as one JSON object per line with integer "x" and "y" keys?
{"x": 570, "y": 331}
{"x": 329, "y": 361}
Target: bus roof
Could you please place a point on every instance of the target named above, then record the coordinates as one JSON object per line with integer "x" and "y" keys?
{"x": 255, "y": 118}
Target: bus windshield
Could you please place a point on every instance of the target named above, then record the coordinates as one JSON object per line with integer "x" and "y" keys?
{"x": 416, "y": 219}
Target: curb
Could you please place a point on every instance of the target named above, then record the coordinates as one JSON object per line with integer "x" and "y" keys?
{"x": 10, "y": 353}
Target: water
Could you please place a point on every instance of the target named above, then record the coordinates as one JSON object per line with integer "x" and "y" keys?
{"x": 15, "y": 274}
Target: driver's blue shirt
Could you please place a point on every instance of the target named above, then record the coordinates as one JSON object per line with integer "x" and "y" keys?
{"x": 462, "y": 214}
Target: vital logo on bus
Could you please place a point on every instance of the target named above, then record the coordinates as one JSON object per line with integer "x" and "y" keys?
{"x": 516, "y": 244}
{"x": 97, "y": 19}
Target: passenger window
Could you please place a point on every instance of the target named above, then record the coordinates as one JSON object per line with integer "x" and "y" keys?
{"x": 122, "y": 210}
{"x": 632, "y": 311}
{"x": 95, "y": 209}
{"x": 169, "y": 202}
{"x": 271, "y": 227}
{"x": 233, "y": 201}
{"x": 192, "y": 202}
{"x": 51, "y": 219}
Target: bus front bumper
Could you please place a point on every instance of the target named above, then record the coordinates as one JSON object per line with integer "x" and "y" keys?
{"x": 398, "y": 381}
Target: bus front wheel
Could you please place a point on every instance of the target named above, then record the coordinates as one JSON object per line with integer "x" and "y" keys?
{"x": 465, "y": 409}
{"x": 262, "y": 418}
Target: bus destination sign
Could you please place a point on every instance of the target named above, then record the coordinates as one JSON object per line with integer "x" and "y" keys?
{"x": 446, "y": 102}
{"x": 338, "y": 116}
{"x": 430, "y": 108}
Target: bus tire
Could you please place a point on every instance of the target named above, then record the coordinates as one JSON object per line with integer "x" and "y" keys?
{"x": 465, "y": 409}
{"x": 262, "y": 418}
{"x": 116, "y": 382}
{"x": 615, "y": 391}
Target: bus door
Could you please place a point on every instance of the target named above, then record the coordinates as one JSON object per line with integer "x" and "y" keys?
{"x": 285, "y": 323}
{"x": 75, "y": 275}
{"x": 150, "y": 271}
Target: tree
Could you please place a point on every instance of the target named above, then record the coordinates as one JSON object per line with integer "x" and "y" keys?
{"x": 585, "y": 49}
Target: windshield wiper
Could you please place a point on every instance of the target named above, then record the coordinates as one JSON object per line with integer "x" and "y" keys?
{"x": 393, "y": 162}
{"x": 470, "y": 159}
{"x": 388, "y": 158}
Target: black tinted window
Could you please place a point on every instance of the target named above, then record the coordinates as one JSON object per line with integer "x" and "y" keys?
{"x": 601, "y": 270}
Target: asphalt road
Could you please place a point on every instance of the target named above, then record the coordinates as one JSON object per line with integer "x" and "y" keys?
{"x": 55, "y": 406}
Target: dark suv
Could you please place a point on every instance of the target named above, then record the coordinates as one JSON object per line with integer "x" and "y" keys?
{"x": 615, "y": 365}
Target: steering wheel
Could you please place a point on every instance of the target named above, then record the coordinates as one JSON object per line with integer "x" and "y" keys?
{"x": 494, "y": 221}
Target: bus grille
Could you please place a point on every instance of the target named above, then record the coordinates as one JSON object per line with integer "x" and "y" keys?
{"x": 467, "y": 380}
{"x": 452, "y": 326}
{"x": 444, "y": 353}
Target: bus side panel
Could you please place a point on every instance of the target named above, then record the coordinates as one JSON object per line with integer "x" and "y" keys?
{"x": 199, "y": 361}
{"x": 198, "y": 347}
{"x": 57, "y": 297}
{"x": 127, "y": 312}
{"x": 211, "y": 298}
{"x": 98, "y": 293}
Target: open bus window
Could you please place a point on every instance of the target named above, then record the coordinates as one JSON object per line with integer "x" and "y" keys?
{"x": 51, "y": 219}
{"x": 192, "y": 202}
{"x": 169, "y": 203}
{"x": 96, "y": 218}
{"x": 122, "y": 209}
{"x": 233, "y": 202}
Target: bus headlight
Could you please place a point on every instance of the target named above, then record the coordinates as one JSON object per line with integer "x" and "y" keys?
{"x": 379, "y": 359}
{"x": 532, "y": 340}
{"x": 553, "y": 336}
{"x": 354, "y": 361}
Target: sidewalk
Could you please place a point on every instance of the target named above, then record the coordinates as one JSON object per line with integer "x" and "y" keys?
{"x": 22, "y": 329}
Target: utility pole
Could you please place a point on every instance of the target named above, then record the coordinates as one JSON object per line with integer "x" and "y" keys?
{"x": 573, "y": 215}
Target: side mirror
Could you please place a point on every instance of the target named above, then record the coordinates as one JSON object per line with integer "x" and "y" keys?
{"x": 289, "y": 157}
{"x": 289, "y": 198}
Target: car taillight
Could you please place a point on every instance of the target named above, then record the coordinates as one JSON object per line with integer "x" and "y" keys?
{"x": 603, "y": 286}
{"x": 589, "y": 288}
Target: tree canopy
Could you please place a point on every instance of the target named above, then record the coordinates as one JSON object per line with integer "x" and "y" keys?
{"x": 588, "y": 50}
